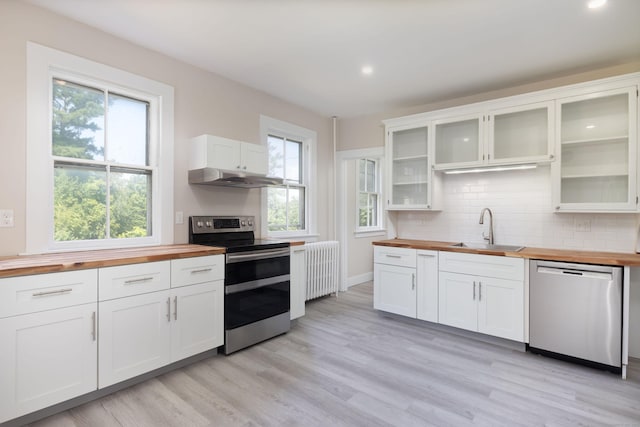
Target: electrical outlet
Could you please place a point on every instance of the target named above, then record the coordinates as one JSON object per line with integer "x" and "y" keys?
{"x": 6, "y": 218}
{"x": 583, "y": 225}
{"x": 179, "y": 217}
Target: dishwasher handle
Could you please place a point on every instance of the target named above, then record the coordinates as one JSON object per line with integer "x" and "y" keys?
{"x": 580, "y": 273}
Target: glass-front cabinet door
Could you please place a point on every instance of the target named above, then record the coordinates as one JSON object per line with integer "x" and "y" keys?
{"x": 410, "y": 172}
{"x": 458, "y": 142}
{"x": 597, "y": 143}
{"x": 521, "y": 134}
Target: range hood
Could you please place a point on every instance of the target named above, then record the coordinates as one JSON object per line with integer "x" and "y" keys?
{"x": 224, "y": 178}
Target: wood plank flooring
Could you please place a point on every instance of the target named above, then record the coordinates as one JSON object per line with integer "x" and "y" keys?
{"x": 345, "y": 364}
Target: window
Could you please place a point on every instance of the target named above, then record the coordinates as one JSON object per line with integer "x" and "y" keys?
{"x": 286, "y": 204}
{"x": 100, "y": 149}
{"x": 368, "y": 191}
{"x": 288, "y": 209}
{"x": 102, "y": 179}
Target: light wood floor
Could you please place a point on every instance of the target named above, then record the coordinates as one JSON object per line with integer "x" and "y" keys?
{"x": 345, "y": 364}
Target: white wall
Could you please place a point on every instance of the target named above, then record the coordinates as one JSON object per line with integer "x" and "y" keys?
{"x": 522, "y": 215}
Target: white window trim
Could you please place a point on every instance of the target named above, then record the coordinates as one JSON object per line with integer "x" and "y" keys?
{"x": 309, "y": 139}
{"x": 369, "y": 230}
{"x": 42, "y": 63}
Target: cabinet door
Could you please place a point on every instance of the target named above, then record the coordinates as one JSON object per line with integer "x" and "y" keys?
{"x": 134, "y": 336}
{"x": 459, "y": 142}
{"x": 394, "y": 289}
{"x": 457, "y": 301}
{"x": 197, "y": 319}
{"x": 521, "y": 134}
{"x": 501, "y": 308}
{"x": 46, "y": 358}
{"x": 597, "y": 157}
{"x": 255, "y": 158}
{"x": 409, "y": 168}
{"x": 427, "y": 288}
{"x": 298, "y": 281}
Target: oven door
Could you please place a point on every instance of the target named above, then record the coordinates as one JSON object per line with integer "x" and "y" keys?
{"x": 256, "y": 286}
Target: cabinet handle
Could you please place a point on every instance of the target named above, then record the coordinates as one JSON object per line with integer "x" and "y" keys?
{"x": 169, "y": 309}
{"x": 557, "y": 208}
{"x": 480, "y": 292}
{"x": 244, "y": 167}
{"x": 413, "y": 281}
{"x": 474, "y": 290}
{"x": 56, "y": 292}
{"x": 175, "y": 312}
{"x": 202, "y": 270}
{"x": 93, "y": 326}
{"x": 551, "y": 156}
{"x": 393, "y": 256}
{"x": 134, "y": 281}
{"x": 238, "y": 167}
{"x": 427, "y": 255}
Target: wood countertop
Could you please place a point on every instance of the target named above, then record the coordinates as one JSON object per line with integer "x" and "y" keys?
{"x": 563, "y": 255}
{"x": 23, "y": 265}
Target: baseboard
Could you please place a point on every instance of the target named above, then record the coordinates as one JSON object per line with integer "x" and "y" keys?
{"x": 360, "y": 278}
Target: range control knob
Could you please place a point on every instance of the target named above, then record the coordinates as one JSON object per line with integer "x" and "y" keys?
{"x": 199, "y": 224}
{"x": 243, "y": 223}
{"x": 208, "y": 224}
{"x": 250, "y": 223}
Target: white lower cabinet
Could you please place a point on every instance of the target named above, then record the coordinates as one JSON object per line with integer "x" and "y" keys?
{"x": 427, "y": 287}
{"x": 394, "y": 289}
{"x": 298, "y": 281}
{"x": 490, "y": 305}
{"x": 46, "y": 358}
{"x": 405, "y": 282}
{"x": 134, "y": 336}
{"x": 144, "y": 332}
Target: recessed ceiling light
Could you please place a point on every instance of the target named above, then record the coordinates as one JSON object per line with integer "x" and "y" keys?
{"x": 367, "y": 70}
{"x": 590, "y": 126}
{"x": 595, "y": 4}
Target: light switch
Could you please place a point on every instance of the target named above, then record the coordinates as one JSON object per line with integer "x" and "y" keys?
{"x": 179, "y": 217}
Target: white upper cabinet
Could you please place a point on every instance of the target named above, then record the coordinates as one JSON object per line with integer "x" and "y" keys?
{"x": 597, "y": 158}
{"x": 510, "y": 135}
{"x": 521, "y": 134}
{"x": 459, "y": 142}
{"x": 209, "y": 151}
{"x": 410, "y": 168}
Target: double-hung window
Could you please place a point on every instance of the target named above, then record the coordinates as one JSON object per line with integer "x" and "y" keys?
{"x": 100, "y": 155}
{"x": 102, "y": 177}
{"x": 286, "y": 203}
{"x": 368, "y": 195}
{"x": 288, "y": 208}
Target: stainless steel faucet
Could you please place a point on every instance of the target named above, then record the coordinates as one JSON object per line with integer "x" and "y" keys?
{"x": 490, "y": 236}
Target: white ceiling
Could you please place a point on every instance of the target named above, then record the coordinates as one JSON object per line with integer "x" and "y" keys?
{"x": 310, "y": 52}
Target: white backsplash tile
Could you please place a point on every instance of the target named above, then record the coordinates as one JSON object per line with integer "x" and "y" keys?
{"x": 522, "y": 215}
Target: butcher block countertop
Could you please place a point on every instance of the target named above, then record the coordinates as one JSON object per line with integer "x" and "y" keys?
{"x": 23, "y": 265}
{"x": 564, "y": 255}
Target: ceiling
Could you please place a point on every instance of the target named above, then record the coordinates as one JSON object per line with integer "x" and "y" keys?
{"x": 310, "y": 52}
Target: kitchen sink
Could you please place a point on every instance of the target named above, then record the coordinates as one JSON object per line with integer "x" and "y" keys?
{"x": 489, "y": 247}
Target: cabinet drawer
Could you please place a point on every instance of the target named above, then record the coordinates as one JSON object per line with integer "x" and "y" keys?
{"x": 134, "y": 279}
{"x": 499, "y": 267}
{"x": 189, "y": 271}
{"x": 401, "y": 257}
{"x": 30, "y": 294}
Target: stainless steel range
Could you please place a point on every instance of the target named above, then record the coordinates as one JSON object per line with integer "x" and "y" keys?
{"x": 257, "y": 288}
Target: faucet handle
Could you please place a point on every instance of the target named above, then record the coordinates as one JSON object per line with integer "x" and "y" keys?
{"x": 485, "y": 237}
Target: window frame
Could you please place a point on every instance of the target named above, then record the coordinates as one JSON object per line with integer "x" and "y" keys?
{"x": 43, "y": 65}
{"x": 378, "y": 193}
{"x": 308, "y": 138}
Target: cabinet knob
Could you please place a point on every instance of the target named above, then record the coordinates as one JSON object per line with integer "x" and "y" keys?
{"x": 551, "y": 156}
{"x": 557, "y": 208}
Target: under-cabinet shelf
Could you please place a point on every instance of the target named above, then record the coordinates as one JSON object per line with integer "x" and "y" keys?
{"x": 410, "y": 158}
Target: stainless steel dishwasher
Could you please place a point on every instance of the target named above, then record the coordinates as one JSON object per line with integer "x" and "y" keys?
{"x": 576, "y": 311}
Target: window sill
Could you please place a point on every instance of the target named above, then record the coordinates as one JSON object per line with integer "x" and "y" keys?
{"x": 369, "y": 233}
{"x": 307, "y": 238}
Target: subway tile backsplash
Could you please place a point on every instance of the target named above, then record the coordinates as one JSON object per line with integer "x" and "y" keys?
{"x": 522, "y": 215}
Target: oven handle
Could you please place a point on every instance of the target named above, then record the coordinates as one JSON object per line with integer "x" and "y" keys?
{"x": 255, "y": 284}
{"x": 256, "y": 255}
